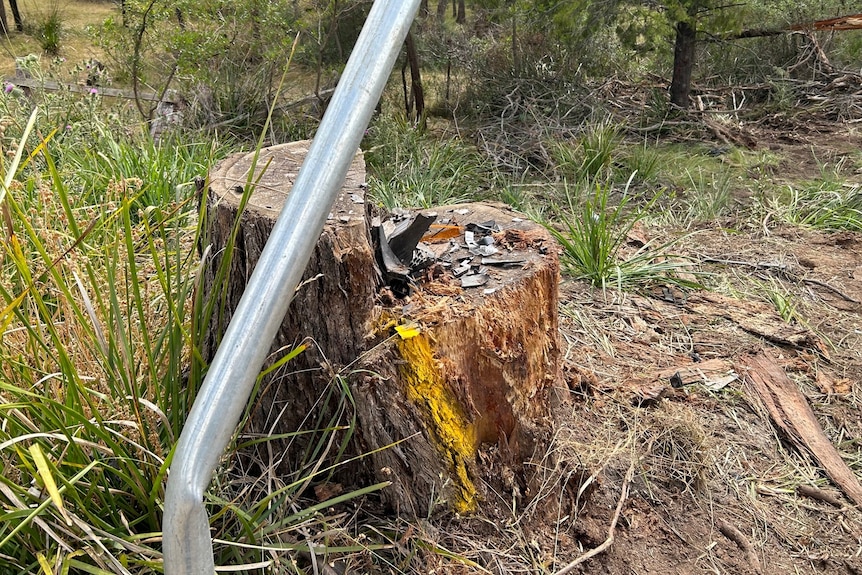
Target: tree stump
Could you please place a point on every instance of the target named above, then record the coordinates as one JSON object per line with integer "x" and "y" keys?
{"x": 449, "y": 384}
{"x": 331, "y": 308}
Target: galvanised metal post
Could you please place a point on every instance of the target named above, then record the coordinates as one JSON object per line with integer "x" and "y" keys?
{"x": 187, "y": 543}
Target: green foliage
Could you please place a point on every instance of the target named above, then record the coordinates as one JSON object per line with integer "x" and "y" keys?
{"x": 826, "y": 205}
{"x": 779, "y": 297}
{"x": 409, "y": 169}
{"x": 593, "y": 155}
{"x": 166, "y": 170}
{"x": 592, "y": 234}
{"x": 47, "y": 26}
{"x": 709, "y": 193}
{"x": 643, "y": 161}
{"x": 227, "y": 72}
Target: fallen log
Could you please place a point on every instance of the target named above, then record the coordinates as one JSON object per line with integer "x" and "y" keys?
{"x": 442, "y": 383}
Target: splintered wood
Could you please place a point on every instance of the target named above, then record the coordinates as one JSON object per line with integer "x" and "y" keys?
{"x": 476, "y": 376}
{"x": 792, "y": 416}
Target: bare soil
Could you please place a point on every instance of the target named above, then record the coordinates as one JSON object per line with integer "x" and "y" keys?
{"x": 715, "y": 487}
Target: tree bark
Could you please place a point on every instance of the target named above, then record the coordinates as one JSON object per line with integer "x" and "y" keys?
{"x": 330, "y": 311}
{"x": 461, "y": 17}
{"x": 3, "y": 22}
{"x": 683, "y": 63}
{"x": 447, "y": 392}
{"x": 441, "y": 9}
{"x": 418, "y": 94}
{"x": 16, "y": 15}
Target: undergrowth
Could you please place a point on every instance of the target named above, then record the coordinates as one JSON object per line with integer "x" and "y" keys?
{"x": 102, "y": 320}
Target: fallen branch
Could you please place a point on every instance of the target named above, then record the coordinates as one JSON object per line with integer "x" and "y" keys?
{"x": 742, "y": 542}
{"x": 819, "y": 495}
{"x": 624, "y": 492}
{"x": 843, "y": 295}
{"x": 793, "y": 417}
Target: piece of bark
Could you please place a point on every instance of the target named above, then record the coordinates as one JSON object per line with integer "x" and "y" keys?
{"x": 820, "y": 495}
{"x": 792, "y": 416}
{"x": 756, "y": 318}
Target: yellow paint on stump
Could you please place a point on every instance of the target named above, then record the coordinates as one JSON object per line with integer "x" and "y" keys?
{"x": 455, "y": 435}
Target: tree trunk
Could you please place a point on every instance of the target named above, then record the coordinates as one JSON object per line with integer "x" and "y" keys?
{"x": 3, "y": 22}
{"x": 683, "y": 64}
{"x": 16, "y": 15}
{"x": 441, "y": 9}
{"x": 447, "y": 391}
{"x": 461, "y": 17}
{"x": 415, "y": 80}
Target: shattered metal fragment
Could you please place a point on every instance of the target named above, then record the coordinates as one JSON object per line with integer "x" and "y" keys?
{"x": 470, "y": 240}
{"x": 474, "y": 280}
{"x": 423, "y": 257}
{"x": 502, "y": 261}
{"x": 483, "y": 251}
{"x": 407, "y": 235}
{"x": 484, "y": 228}
{"x": 396, "y": 274}
{"x": 461, "y": 269}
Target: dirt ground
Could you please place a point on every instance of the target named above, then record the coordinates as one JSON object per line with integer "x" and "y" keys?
{"x": 701, "y": 477}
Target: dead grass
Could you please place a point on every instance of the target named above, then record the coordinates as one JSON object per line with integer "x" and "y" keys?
{"x": 75, "y": 45}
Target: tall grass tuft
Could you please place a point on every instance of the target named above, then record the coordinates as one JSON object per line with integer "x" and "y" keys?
{"x": 592, "y": 233}
{"x": 94, "y": 337}
{"x": 827, "y": 206}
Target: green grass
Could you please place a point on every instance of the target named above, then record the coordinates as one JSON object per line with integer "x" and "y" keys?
{"x": 409, "y": 169}
{"x": 823, "y": 205}
{"x": 102, "y": 319}
{"x": 592, "y": 233}
{"x": 591, "y": 156}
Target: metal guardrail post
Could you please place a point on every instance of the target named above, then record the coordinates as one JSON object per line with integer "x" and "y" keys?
{"x": 187, "y": 543}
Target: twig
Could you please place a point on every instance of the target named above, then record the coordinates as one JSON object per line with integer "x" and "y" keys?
{"x": 754, "y": 265}
{"x": 624, "y": 492}
{"x": 742, "y": 542}
{"x": 831, "y": 288}
{"x": 819, "y": 495}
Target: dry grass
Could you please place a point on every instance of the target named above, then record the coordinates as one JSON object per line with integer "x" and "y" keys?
{"x": 75, "y": 44}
